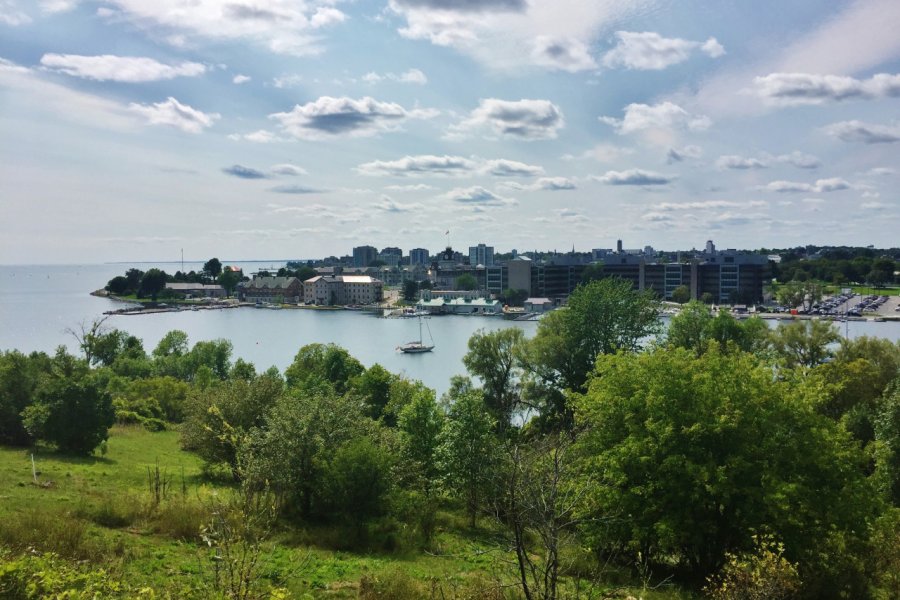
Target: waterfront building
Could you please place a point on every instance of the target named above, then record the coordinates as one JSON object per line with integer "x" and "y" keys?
{"x": 455, "y": 302}
{"x": 271, "y": 289}
{"x": 363, "y": 256}
{"x": 197, "y": 290}
{"x": 328, "y": 290}
{"x": 481, "y": 255}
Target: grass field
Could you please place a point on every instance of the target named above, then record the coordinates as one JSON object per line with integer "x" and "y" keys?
{"x": 101, "y": 510}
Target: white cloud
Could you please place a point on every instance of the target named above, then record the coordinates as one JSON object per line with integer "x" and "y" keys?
{"x": 388, "y": 204}
{"x": 548, "y": 184}
{"x": 800, "y": 160}
{"x": 129, "y": 69}
{"x": 650, "y": 51}
{"x": 665, "y": 115}
{"x": 58, "y": 6}
{"x": 511, "y": 168}
{"x": 175, "y": 114}
{"x": 857, "y": 131}
{"x": 522, "y": 119}
{"x": 732, "y": 161}
{"x": 680, "y": 154}
{"x": 881, "y": 171}
{"x": 410, "y": 76}
{"x": 820, "y": 186}
{"x": 288, "y": 169}
{"x": 604, "y": 153}
{"x": 330, "y": 116}
{"x": 808, "y": 88}
{"x": 261, "y": 136}
{"x": 239, "y": 79}
{"x": 12, "y": 15}
{"x": 476, "y": 196}
{"x": 563, "y": 54}
{"x": 634, "y": 177}
{"x": 287, "y": 81}
{"x": 416, "y": 187}
{"x": 426, "y": 164}
{"x": 283, "y": 26}
{"x": 873, "y": 206}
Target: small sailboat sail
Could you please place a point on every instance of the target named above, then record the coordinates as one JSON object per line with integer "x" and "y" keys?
{"x": 418, "y": 346}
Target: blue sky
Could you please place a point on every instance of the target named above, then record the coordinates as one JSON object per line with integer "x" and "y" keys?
{"x": 130, "y": 129}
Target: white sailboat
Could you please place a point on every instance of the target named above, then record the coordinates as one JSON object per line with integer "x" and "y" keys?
{"x": 418, "y": 346}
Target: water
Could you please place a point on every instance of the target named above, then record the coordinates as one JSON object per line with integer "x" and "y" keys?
{"x": 38, "y": 304}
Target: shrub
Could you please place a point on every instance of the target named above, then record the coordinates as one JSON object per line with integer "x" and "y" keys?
{"x": 764, "y": 574}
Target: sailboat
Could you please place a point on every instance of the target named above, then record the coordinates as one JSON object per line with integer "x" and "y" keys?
{"x": 418, "y": 346}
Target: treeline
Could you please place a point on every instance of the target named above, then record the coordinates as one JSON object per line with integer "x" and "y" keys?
{"x": 838, "y": 265}
{"x": 152, "y": 283}
{"x": 739, "y": 460}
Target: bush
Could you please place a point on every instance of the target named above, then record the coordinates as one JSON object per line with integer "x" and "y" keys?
{"x": 38, "y": 576}
{"x": 764, "y": 574}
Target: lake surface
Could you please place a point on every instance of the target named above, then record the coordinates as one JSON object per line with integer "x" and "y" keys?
{"x": 38, "y": 303}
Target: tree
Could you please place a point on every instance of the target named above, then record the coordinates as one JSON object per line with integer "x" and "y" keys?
{"x": 690, "y": 328}
{"x": 887, "y": 451}
{"x": 117, "y": 285}
{"x": 71, "y": 408}
{"x": 410, "y": 290}
{"x": 803, "y": 343}
{"x": 493, "y": 358}
{"x": 693, "y": 455}
{"x": 20, "y": 376}
{"x": 882, "y": 272}
{"x": 229, "y": 280}
{"x": 592, "y": 272}
{"x": 358, "y": 480}
{"x": 799, "y": 294}
{"x": 602, "y": 317}
{"x": 212, "y": 268}
{"x": 152, "y": 283}
{"x": 326, "y": 362}
{"x": 681, "y": 294}
{"x": 695, "y": 327}
{"x": 466, "y": 451}
{"x": 374, "y": 387}
{"x": 420, "y": 424}
{"x": 134, "y": 277}
{"x": 515, "y": 297}
{"x": 466, "y": 281}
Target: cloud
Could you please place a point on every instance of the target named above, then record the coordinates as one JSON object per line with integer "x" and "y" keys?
{"x": 425, "y": 164}
{"x": 287, "y": 169}
{"x": 873, "y": 206}
{"x": 458, "y": 166}
{"x": 547, "y": 184}
{"x": 604, "y": 153}
{"x": 833, "y": 184}
{"x": 175, "y": 114}
{"x": 417, "y": 187}
{"x": 239, "y": 79}
{"x": 329, "y": 116}
{"x": 511, "y": 168}
{"x": 857, "y": 131}
{"x": 465, "y": 6}
{"x": 293, "y": 189}
{"x": 732, "y": 161}
{"x": 260, "y": 136}
{"x": 800, "y": 160}
{"x": 563, "y": 54}
{"x": 665, "y": 115}
{"x": 807, "y": 88}
{"x": 522, "y": 119}
{"x": 705, "y": 205}
{"x": 476, "y": 195}
{"x": 283, "y": 26}
{"x": 11, "y": 15}
{"x": 650, "y": 51}
{"x": 881, "y": 171}
{"x": 287, "y": 81}
{"x": 243, "y": 172}
{"x": 128, "y": 69}
{"x": 675, "y": 155}
{"x": 634, "y": 177}
{"x": 388, "y": 204}
{"x": 411, "y": 76}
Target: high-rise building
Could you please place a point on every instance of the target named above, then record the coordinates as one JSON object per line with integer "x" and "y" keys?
{"x": 418, "y": 256}
{"x": 391, "y": 256}
{"x": 481, "y": 255}
{"x": 363, "y": 256}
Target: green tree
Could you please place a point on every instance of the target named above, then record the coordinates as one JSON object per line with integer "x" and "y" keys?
{"x": 117, "y": 285}
{"x": 693, "y": 455}
{"x": 882, "y": 272}
{"x": 20, "y": 375}
{"x": 797, "y": 293}
{"x": 71, "y": 407}
{"x": 493, "y": 358}
{"x": 229, "y": 280}
{"x": 134, "y": 277}
{"x": 602, "y": 317}
{"x": 887, "y": 452}
{"x": 466, "y": 281}
{"x": 420, "y": 424}
{"x": 152, "y": 283}
{"x": 325, "y": 362}
{"x": 374, "y": 387}
{"x": 803, "y": 343}
{"x": 592, "y": 272}
{"x": 410, "y": 290}
{"x": 358, "y": 480}
{"x": 170, "y": 353}
{"x": 681, "y": 294}
{"x": 515, "y": 297}
{"x": 212, "y": 269}
{"x": 466, "y": 452}
{"x": 690, "y": 327}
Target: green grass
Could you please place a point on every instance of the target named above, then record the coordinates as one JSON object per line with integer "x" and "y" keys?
{"x": 100, "y": 510}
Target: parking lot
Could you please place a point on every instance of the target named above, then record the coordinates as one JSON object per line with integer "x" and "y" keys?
{"x": 856, "y": 305}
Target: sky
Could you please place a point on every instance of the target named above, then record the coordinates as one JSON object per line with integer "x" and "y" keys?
{"x": 131, "y": 130}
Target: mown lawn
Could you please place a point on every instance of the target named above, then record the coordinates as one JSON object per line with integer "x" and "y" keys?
{"x": 101, "y": 510}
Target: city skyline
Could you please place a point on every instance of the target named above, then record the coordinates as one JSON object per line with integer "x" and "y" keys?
{"x": 132, "y": 129}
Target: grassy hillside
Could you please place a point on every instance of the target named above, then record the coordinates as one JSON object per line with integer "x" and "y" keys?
{"x": 101, "y": 510}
